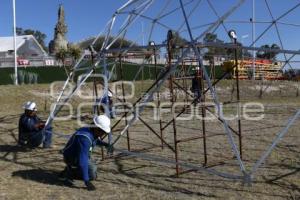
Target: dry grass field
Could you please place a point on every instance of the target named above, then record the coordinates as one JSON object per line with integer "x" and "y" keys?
{"x": 33, "y": 174}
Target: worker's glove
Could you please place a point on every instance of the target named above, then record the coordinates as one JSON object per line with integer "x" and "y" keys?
{"x": 90, "y": 186}
{"x": 41, "y": 125}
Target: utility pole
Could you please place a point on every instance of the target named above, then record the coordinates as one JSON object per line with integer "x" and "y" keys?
{"x": 15, "y": 43}
{"x": 233, "y": 36}
{"x": 253, "y": 37}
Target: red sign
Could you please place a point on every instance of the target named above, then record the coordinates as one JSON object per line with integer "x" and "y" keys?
{"x": 23, "y": 62}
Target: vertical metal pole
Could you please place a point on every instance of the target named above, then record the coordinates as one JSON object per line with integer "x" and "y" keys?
{"x": 158, "y": 99}
{"x": 96, "y": 110}
{"x": 214, "y": 73}
{"x": 203, "y": 112}
{"x": 174, "y": 122}
{"x": 170, "y": 46}
{"x": 124, "y": 100}
{"x": 199, "y": 77}
{"x": 185, "y": 85}
{"x": 238, "y": 99}
{"x": 253, "y": 38}
{"x": 15, "y": 43}
{"x": 102, "y": 153}
{"x": 211, "y": 69}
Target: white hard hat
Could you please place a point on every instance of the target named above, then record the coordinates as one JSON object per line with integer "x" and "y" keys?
{"x": 109, "y": 94}
{"x": 30, "y": 106}
{"x": 103, "y": 122}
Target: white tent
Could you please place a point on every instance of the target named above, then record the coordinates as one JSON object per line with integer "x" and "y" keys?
{"x": 29, "y": 52}
{"x": 27, "y": 46}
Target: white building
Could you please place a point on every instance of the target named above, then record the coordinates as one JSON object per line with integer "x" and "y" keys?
{"x": 29, "y": 51}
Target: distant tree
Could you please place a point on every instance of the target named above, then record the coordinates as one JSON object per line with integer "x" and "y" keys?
{"x": 210, "y": 37}
{"x": 221, "y": 51}
{"x": 39, "y": 36}
{"x": 213, "y": 51}
{"x": 74, "y": 53}
{"x": 28, "y": 32}
{"x": 272, "y": 55}
{"x": 19, "y": 31}
{"x": 117, "y": 44}
{"x": 267, "y": 54}
{"x": 61, "y": 56}
{"x": 122, "y": 43}
{"x": 84, "y": 44}
{"x": 179, "y": 40}
{"x": 231, "y": 52}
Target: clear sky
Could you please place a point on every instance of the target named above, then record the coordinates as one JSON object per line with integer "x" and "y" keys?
{"x": 84, "y": 17}
{"x": 87, "y": 18}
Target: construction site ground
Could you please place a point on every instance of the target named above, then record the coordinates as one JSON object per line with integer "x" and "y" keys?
{"x": 33, "y": 174}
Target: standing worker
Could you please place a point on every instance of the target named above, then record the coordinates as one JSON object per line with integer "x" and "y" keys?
{"x": 77, "y": 152}
{"x": 108, "y": 109}
{"x": 196, "y": 85}
{"x": 107, "y": 105}
{"x": 31, "y": 128}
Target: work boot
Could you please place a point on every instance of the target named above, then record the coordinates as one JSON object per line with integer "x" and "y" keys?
{"x": 66, "y": 176}
{"x": 68, "y": 182}
{"x": 67, "y": 173}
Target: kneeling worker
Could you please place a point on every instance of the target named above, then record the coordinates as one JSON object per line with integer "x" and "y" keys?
{"x": 31, "y": 128}
{"x": 79, "y": 147}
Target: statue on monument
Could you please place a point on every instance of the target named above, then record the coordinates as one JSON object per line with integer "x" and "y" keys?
{"x": 59, "y": 41}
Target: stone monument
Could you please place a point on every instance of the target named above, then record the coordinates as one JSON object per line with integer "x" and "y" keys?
{"x": 59, "y": 41}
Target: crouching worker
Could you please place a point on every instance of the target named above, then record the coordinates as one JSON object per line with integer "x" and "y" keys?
{"x": 77, "y": 152}
{"x": 31, "y": 128}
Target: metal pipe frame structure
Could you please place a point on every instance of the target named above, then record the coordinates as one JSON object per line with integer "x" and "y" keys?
{"x": 124, "y": 100}
{"x": 136, "y": 9}
{"x": 204, "y": 109}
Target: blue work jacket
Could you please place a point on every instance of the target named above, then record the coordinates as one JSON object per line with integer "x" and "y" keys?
{"x": 27, "y": 125}
{"x": 77, "y": 151}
